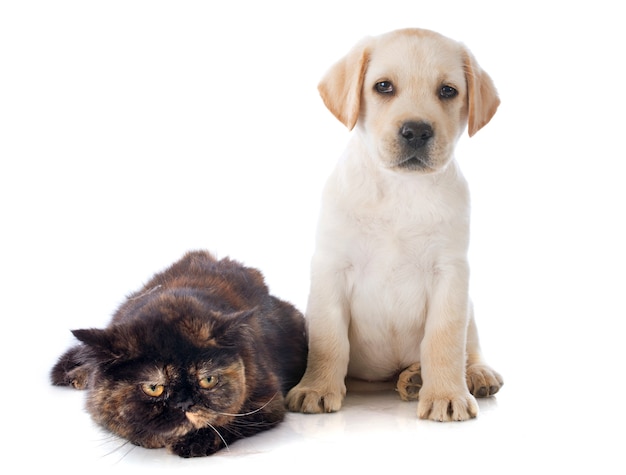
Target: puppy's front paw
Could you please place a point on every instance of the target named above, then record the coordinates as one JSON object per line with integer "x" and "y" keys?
{"x": 483, "y": 381}
{"x": 454, "y": 407}
{"x": 312, "y": 400}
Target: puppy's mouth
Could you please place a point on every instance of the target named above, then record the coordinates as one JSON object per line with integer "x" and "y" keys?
{"x": 415, "y": 163}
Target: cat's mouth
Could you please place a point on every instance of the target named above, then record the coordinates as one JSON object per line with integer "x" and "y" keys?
{"x": 197, "y": 420}
{"x": 202, "y": 419}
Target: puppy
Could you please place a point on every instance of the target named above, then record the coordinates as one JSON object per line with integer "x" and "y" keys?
{"x": 389, "y": 275}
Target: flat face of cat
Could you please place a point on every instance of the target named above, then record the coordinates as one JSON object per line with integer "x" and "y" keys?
{"x": 152, "y": 403}
{"x": 162, "y": 376}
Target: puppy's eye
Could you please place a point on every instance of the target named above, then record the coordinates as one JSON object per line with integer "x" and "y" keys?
{"x": 448, "y": 92}
{"x": 384, "y": 87}
{"x": 153, "y": 390}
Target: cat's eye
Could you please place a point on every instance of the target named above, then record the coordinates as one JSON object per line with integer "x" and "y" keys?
{"x": 208, "y": 382}
{"x": 153, "y": 390}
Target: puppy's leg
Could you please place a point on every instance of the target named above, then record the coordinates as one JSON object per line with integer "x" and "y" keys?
{"x": 444, "y": 395}
{"x": 482, "y": 380}
{"x": 323, "y": 388}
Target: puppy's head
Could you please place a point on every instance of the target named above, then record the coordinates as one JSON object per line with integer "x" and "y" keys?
{"x": 411, "y": 93}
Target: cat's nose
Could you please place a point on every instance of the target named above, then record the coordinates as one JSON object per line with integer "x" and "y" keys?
{"x": 184, "y": 404}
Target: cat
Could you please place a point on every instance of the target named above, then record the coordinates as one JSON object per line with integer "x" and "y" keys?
{"x": 198, "y": 358}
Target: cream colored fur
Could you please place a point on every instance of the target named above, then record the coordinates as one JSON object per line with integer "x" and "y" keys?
{"x": 389, "y": 276}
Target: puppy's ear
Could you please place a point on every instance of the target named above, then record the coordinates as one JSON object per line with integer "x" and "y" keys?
{"x": 341, "y": 87}
{"x": 482, "y": 96}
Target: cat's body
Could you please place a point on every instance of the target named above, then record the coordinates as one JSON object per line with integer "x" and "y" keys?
{"x": 201, "y": 356}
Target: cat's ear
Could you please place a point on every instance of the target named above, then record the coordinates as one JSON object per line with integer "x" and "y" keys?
{"x": 103, "y": 343}
{"x": 234, "y": 327}
{"x": 242, "y": 317}
{"x": 217, "y": 329}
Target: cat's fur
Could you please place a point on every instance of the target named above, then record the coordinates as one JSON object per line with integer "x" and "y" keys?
{"x": 201, "y": 356}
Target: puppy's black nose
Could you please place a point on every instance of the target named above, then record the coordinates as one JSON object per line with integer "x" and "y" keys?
{"x": 416, "y": 134}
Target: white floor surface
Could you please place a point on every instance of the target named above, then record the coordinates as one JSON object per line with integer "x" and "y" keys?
{"x": 520, "y": 431}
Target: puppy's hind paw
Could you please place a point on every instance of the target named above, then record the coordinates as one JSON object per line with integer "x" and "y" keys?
{"x": 311, "y": 401}
{"x": 483, "y": 381}
{"x": 410, "y": 382}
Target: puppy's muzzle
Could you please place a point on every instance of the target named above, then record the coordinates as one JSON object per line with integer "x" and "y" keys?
{"x": 415, "y": 137}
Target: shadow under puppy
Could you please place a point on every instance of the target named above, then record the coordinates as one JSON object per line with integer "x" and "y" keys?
{"x": 201, "y": 356}
{"x": 390, "y": 276}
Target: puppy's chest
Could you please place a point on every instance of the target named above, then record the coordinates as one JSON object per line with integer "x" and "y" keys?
{"x": 399, "y": 239}
{"x": 392, "y": 267}
{"x": 396, "y": 250}
{"x": 394, "y": 227}
{"x": 393, "y": 263}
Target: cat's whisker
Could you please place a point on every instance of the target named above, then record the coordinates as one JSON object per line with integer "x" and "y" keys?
{"x": 220, "y": 436}
{"x": 121, "y": 443}
{"x": 130, "y": 446}
{"x": 108, "y": 439}
{"x": 251, "y": 412}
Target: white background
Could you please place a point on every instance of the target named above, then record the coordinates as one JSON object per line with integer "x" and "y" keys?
{"x": 131, "y": 132}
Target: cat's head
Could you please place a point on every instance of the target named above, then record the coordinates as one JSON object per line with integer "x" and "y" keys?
{"x": 176, "y": 369}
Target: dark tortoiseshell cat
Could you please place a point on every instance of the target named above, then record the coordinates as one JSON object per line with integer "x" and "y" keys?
{"x": 201, "y": 356}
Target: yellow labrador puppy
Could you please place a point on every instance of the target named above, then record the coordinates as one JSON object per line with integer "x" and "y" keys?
{"x": 389, "y": 277}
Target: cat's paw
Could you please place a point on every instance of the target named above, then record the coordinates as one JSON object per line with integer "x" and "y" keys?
{"x": 71, "y": 369}
{"x": 312, "y": 400}
{"x": 446, "y": 407}
{"x": 483, "y": 381}
{"x": 198, "y": 444}
{"x": 76, "y": 377}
